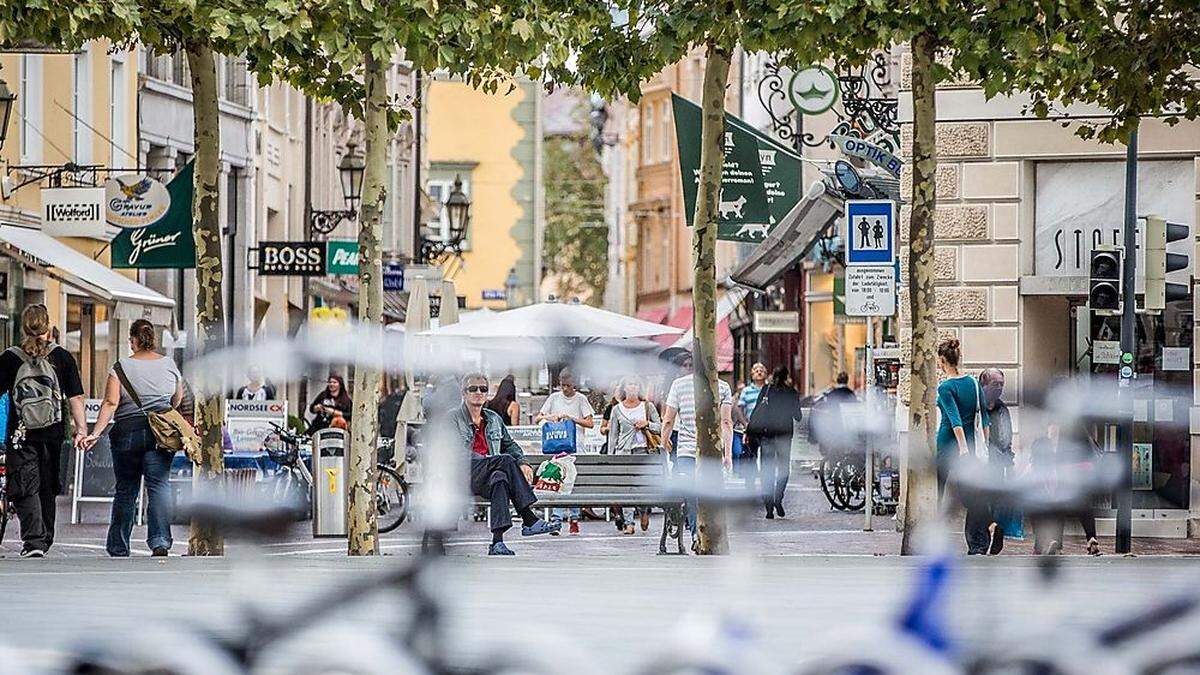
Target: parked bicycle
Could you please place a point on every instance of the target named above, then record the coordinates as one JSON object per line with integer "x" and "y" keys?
{"x": 293, "y": 486}
{"x": 843, "y": 480}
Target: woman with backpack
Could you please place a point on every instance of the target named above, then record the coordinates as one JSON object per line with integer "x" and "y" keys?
{"x": 634, "y": 428}
{"x": 770, "y": 427}
{"x": 38, "y": 375}
{"x": 138, "y": 385}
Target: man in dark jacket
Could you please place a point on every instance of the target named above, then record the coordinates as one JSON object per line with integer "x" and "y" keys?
{"x": 497, "y": 473}
{"x": 1000, "y": 452}
{"x": 828, "y": 431}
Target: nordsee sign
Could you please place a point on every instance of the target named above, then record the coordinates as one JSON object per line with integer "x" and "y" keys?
{"x": 857, "y": 147}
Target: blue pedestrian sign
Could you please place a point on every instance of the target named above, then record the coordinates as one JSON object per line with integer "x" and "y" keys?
{"x": 870, "y": 232}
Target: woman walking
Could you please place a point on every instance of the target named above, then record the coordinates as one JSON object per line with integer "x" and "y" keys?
{"x": 634, "y": 428}
{"x": 504, "y": 403}
{"x": 960, "y": 399}
{"x": 155, "y": 382}
{"x": 770, "y": 427}
{"x": 331, "y": 407}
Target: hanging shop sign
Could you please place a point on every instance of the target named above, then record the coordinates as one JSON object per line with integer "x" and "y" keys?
{"x": 393, "y": 276}
{"x": 249, "y": 422}
{"x": 166, "y": 243}
{"x": 135, "y": 200}
{"x": 291, "y": 258}
{"x": 813, "y": 90}
{"x": 73, "y": 212}
{"x": 742, "y": 198}
{"x": 857, "y": 147}
{"x": 341, "y": 257}
{"x": 777, "y": 322}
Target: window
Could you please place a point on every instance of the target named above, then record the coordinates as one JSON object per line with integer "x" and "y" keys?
{"x": 30, "y": 102}
{"x": 648, "y": 135}
{"x": 233, "y": 78}
{"x": 439, "y": 191}
{"x": 82, "y": 103}
{"x": 118, "y": 104}
{"x": 664, "y": 131}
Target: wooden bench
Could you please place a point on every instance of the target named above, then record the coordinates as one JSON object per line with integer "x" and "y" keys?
{"x": 618, "y": 480}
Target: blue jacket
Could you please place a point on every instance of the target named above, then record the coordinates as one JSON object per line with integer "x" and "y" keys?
{"x": 498, "y": 438}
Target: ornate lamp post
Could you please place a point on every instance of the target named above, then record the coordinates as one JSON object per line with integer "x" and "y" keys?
{"x": 351, "y": 168}
{"x": 458, "y": 213}
{"x": 6, "y": 105}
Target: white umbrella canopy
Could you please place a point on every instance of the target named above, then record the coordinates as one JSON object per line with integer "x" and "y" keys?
{"x": 555, "y": 320}
{"x": 416, "y": 321}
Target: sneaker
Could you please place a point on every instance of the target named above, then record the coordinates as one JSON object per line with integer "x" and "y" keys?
{"x": 779, "y": 509}
{"x": 574, "y": 528}
{"x": 159, "y": 552}
{"x": 499, "y": 548}
{"x": 32, "y": 553}
{"x": 541, "y": 527}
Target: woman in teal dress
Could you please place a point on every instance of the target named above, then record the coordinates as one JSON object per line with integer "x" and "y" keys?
{"x": 959, "y": 400}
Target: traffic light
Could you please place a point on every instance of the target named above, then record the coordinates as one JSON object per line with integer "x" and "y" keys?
{"x": 1159, "y": 292}
{"x": 1104, "y": 280}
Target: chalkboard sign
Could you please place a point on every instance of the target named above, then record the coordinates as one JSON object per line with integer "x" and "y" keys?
{"x": 96, "y": 471}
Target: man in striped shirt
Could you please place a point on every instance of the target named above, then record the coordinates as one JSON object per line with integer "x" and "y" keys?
{"x": 680, "y": 415}
{"x": 749, "y": 395}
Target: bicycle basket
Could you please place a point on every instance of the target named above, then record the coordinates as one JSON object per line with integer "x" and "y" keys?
{"x": 284, "y": 454}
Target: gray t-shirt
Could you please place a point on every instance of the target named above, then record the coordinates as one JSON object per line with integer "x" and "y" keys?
{"x": 154, "y": 380}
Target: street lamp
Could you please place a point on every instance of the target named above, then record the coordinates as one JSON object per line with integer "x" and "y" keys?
{"x": 351, "y": 169}
{"x": 458, "y": 213}
{"x": 6, "y": 105}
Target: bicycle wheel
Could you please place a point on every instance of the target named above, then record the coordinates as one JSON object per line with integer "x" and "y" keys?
{"x": 827, "y": 474}
{"x": 851, "y": 487}
{"x": 391, "y": 499}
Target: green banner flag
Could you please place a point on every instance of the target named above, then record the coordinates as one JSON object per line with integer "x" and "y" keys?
{"x": 742, "y": 210}
{"x": 166, "y": 244}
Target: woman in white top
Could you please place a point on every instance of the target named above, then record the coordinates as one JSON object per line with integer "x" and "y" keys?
{"x": 629, "y": 422}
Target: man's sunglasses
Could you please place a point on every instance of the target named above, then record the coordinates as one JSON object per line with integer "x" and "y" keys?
{"x": 476, "y": 389}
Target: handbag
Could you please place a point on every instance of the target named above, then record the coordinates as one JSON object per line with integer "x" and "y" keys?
{"x": 768, "y": 420}
{"x": 653, "y": 438}
{"x": 171, "y": 430}
{"x": 981, "y": 444}
{"x": 559, "y": 437}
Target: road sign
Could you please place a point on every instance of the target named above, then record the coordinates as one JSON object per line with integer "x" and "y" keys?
{"x": 870, "y": 232}
{"x": 393, "y": 277}
{"x": 870, "y": 290}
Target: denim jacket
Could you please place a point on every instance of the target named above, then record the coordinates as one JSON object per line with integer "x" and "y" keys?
{"x": 498, "y": 438}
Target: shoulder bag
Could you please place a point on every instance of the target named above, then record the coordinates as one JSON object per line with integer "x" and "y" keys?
{"x": 171, "y": 431}
{"x": 981, "y": 444}
{"x": 653, "y": 439}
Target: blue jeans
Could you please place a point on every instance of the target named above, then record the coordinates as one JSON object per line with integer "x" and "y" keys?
{"x": 136, "y": 458}
{"x": 685, "y": 469}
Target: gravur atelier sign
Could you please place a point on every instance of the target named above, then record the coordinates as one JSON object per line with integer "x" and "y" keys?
{"x": 135, "y": 200}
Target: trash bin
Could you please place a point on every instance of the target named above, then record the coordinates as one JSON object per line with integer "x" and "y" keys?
{"x": 329, "y": 483}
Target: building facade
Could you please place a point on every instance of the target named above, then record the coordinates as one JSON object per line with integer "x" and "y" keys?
{"x": 493, "y": 144}
{"x": 74, "y": 123}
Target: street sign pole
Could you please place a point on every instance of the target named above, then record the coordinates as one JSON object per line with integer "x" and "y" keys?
{"x": 869, "y": 505}
{"x": 1128, "y": 344}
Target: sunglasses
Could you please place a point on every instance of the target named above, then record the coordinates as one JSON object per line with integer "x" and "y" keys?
{"x": 476, "y": 389}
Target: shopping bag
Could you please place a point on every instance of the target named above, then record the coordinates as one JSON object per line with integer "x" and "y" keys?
{"x": 558, "y": 437}
{"x": 556, "y": 476}
{"x": 1012, "y": 521}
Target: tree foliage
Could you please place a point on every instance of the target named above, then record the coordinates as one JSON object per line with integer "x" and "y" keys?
{"x": 576, "y": 239}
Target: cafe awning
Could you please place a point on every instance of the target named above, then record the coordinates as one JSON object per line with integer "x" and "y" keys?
{"x": 791, "y": 238}
{"x": 79, "y": 271}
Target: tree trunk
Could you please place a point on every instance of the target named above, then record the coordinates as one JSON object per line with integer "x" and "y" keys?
{"x": 364, "y": 425}
{"x": 210, "y": 313}
{"x": 921, "y": 498}
{"x": 710, "y": 523}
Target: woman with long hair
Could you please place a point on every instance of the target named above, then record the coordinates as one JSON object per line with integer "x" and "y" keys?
{"x": 960, "y": 400}
{"x": 157, "y": 386}
{"x": 505, "y": 403}
{"x": 331, "y": 407}
{"x": 37, "y": 376}
{"x": 776, "y": 411}
{"x": 634, "y": 427}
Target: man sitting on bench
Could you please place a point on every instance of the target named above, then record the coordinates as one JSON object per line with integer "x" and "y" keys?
{"x": 497, "y": 473}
